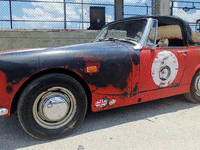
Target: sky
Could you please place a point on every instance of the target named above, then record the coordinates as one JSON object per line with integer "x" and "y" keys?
{"x": 55, "y": 12}
{"x": 192, "y": 15}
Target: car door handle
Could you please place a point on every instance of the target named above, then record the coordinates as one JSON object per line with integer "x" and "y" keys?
{"x": 183, "y": 51}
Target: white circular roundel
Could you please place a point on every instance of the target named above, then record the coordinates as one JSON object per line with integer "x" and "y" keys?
{"x": 164, "y": 68}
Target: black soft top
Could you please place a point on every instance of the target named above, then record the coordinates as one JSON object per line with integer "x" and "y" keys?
{"x": 189, "y": 37}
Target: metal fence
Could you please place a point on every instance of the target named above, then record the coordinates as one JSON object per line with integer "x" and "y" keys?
{"x": 189, "y": 10}
{"x": 61, "y": 14}
{"x": 134, "y": 9}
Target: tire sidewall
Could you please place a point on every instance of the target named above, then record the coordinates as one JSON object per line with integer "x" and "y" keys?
{"x": 193, "y": 95}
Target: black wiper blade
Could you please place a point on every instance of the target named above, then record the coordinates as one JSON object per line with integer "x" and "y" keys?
{"x": 130, "y": 40}
{"x": 111, "y": 39}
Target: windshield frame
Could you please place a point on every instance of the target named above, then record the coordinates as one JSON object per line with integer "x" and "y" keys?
{"x": 144, "y": 37}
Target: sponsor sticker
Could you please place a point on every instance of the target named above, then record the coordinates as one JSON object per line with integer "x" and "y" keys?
{"x": 101, "y": 103}
{"x": 104, "y": 102}
{"x": 112, "y": 102}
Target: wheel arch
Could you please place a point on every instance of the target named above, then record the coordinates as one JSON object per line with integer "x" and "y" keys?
{"x": 49, "y": 71}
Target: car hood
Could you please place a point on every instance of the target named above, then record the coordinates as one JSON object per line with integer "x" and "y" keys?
{"x": 113, "y": 57}
{"x": 89, "y": 47}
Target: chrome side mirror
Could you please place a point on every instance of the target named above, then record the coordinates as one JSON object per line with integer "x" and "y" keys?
{"x": 163, "y": 43}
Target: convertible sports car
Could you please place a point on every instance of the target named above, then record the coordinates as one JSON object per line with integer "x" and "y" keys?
{"x": 132, "y": 60}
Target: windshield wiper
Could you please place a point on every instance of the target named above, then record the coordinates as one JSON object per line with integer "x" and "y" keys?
{"x": 111, "y": 39}
{"x": 130, "y": 40}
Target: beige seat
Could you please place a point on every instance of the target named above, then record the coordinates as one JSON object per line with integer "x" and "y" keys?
{"x": 169, "y": 32}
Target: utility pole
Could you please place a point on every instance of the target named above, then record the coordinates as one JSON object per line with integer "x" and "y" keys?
{"x": 161, "y": 7}
{"x": 119, "y": 9}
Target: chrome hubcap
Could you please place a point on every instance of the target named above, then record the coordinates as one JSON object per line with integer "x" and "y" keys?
{"x": 197, "y": 85}
{"x": 54, "y": 108}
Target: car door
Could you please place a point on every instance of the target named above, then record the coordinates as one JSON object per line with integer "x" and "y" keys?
{"x": 161, "y": 67}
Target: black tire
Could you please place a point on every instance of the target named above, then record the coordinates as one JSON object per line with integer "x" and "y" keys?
{"x": 194, "y": 94}
{"x": 56, "y": 93}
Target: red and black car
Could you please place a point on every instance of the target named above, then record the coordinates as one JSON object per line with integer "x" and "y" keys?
{"x": 132, "y": 60}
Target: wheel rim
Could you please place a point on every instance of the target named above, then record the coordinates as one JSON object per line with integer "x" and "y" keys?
{"x": 197, "y": 85}
{"x": 54, "y": 108}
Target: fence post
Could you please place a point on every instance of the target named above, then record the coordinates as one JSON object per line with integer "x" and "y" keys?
{"x": 10, "y": 14}
{"x": 65, "y": 23}
{"x": 147, "y": 8}
{"x": 82, "y": 16}
{"x": 119, "y": 9}
{"x": 171, "y": 12}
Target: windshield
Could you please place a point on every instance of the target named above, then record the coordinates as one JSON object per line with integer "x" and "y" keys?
{"x": 131, "y": 31}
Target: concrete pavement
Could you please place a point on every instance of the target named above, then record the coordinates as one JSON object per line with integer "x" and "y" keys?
{"x": 170, "y": 123}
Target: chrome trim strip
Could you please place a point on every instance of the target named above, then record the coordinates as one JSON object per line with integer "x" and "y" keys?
{"x": 183, "y": 51}
{"x": 3, "y": 111}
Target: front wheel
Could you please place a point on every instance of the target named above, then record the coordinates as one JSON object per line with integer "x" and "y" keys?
{"x": 52, "y": 106}
{"x": 194, "y": 94}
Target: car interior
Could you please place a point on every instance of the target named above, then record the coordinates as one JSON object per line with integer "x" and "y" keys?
{"x": 169, "y": 35}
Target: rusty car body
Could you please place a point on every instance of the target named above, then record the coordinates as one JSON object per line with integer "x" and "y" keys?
{"x": 132, "y": 60}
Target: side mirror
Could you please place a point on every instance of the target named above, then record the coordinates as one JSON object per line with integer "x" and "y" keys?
{"x": 163, "y": 43}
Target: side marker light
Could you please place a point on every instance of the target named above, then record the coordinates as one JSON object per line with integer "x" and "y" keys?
{"x": 91, "y": 68}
